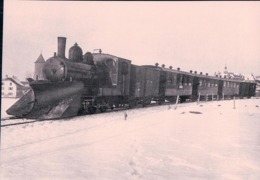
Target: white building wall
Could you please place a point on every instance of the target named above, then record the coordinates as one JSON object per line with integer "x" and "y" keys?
{"x": 9, "y": 89}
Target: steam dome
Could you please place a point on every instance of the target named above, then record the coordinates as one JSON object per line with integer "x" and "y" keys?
{"x": 75, "y": 53}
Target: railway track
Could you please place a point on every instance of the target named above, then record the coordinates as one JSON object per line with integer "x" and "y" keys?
{"x": 13, "y": 121}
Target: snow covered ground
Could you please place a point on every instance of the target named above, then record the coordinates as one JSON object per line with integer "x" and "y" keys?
{"x": 207, "y": 141}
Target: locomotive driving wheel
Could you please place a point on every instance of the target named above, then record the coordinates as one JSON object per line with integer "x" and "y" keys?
{"x": 103, "y": 108}
{"x": 92, "y": 109}
{"x": 81, "y": 111}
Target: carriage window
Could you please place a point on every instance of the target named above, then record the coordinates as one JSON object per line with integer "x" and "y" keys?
{"x": 190, "y": 80}
{"x": 169, "y": 81}
{"x": 204, "y": 83}
{"x": 184, "y": 80}
{"x": 170, "y": 78}
{"x": 113, "y": 69}
{"x": 138, "y": 87}
{"x": 124, "y": 68}
{"x": 200, "y": 83}
{"x": 208, "y": 84}
{"x": 224, "y": 84}
{"x": 174, "y": 79}
{"x": 179, "y": 79}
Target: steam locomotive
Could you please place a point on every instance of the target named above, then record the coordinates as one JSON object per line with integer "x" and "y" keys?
{"x": 82, "y": 84}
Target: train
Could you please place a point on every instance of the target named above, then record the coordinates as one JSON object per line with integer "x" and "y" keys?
{"x": 84, "y": 83}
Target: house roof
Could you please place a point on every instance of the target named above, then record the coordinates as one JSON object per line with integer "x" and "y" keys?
{"x": 14, "y": 80}
{"x": 40, "y": 59}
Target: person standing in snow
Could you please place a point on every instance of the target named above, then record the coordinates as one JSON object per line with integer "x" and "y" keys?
{"x": 125, "y": 115}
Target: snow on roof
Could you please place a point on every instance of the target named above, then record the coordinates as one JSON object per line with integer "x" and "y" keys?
{"x": 249, "y": 77}
{"x": 14, "y": 80}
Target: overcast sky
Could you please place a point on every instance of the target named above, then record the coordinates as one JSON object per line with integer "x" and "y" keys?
{"x": 201, "y": 36}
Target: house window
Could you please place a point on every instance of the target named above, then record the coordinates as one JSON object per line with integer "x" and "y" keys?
{"x": 10, "y": 88}
{"x": 10, "y": 84}
{"x": 10, "y": 93}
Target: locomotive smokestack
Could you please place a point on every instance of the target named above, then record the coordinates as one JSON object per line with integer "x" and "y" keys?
{"x": 61, "y": 46}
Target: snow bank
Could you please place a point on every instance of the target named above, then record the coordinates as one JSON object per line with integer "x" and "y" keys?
{"x": 211, "y": 140}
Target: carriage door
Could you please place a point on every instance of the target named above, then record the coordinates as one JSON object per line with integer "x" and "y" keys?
{"x": 124, "y": 71}
{"x": 220, "y": 88}
{"x": 162, "y": 83}
{"x": 195, "y": 86}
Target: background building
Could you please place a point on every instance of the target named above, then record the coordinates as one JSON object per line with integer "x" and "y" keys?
{"x": 13, "y": 88}
{"x": 38, "y": 67}
{"x": 232, "y": 75}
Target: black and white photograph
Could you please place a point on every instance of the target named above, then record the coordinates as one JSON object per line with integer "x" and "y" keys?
{"x": 122, "y": 90}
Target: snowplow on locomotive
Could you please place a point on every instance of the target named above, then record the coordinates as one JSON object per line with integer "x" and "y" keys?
{"x": 85, "y": 83}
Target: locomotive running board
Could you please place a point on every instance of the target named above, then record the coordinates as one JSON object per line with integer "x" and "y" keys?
{"x": 48, "y": 100}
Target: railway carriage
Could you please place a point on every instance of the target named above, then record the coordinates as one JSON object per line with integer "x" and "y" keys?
{"x": 177, "y": 83}
{"x": 208, "y": 87}
{"x": 230, "y": 88}
{"x": 145, "y": 82}
{"x": 247, "y": 89}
